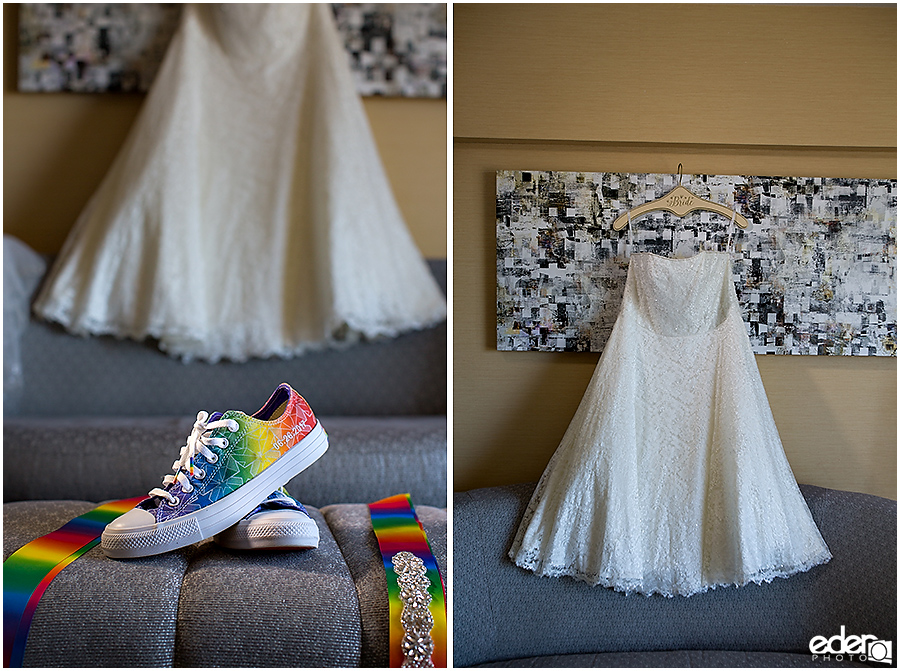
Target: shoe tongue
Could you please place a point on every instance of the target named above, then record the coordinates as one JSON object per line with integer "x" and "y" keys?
{"x": 153, "y": 501}
{"x": 278, "y": 496}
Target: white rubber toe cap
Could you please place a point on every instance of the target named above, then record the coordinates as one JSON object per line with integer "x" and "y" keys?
{"x": 136, "y": 519}
{"x": 272, "y": 529}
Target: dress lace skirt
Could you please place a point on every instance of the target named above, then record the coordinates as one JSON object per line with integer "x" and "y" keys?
{"x": 248, "y": 213}
{"x": 671, "y": 477}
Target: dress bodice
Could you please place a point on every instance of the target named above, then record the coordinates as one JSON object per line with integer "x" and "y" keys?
{"x": 264, "y": 33}
{"x": 680, "y": 297}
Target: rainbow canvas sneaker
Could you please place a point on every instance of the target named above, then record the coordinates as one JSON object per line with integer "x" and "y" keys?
{"x": 231, "y": 462}
{"x": 279, "y": 522}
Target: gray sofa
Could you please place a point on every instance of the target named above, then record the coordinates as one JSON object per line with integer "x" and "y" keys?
{"x": 98, "y": 419}
{"x": 506, "y": 616}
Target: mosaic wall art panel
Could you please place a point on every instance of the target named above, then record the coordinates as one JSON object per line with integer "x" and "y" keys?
{"x": 394, "y": 49}
{"x": 814, "y": 271}
{"x": 93, "y": 47}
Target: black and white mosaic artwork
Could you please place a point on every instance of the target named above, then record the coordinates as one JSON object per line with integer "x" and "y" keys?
{"x": 814, "y": 271}
{"x": 93, "y": 47}
{"x": 393, "y": 49}
{"x": 396, "y": 49}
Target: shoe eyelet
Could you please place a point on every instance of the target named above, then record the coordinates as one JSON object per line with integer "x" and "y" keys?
{"x": 214, "y": 458}
{"x": 235, "y": 425}
{"x": 187, "y": 490}
{"x": 225, "y": 443}
{"x": 199, "y": 473}
{"x": 172, "y": 504}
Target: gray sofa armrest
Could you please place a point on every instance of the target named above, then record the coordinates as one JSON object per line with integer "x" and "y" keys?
{"x": 265, "y": 609}
{"x": 352, "y": 527}
{"x": 98, "y": 612}
{"x": 502, "y": 612}
{"x": 678, "y": 659}
{"x": 206, "y": 606}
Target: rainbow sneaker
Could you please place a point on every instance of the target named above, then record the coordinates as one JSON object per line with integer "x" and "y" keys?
{"x": 279, "y": 522}
{"x": 231, "y": 462}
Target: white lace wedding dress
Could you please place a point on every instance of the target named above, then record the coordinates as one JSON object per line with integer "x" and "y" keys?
{"x": 671, "y": 477}
{"x": 248, "y": 213}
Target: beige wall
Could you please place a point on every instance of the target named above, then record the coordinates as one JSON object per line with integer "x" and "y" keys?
{"x": 57, "y": 147}
{"x": 784, "y": 90}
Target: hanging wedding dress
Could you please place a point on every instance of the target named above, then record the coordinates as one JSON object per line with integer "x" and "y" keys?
{"x": 671, "y": 477}
{"x": 248, "y": 213}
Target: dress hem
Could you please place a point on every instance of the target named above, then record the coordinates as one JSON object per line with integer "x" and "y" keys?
{"x": 350, "y": 335}
{"x": 765, "y": 575}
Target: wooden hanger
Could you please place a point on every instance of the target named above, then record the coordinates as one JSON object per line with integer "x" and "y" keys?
{"x": 679, "y": 201}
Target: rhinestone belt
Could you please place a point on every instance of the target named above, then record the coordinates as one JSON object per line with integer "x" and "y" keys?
{"x": 418, "y": 616}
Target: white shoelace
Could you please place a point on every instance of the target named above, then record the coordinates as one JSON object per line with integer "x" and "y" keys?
{"x": 198, "y": 441}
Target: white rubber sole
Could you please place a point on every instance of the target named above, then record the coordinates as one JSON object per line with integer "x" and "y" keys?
{"x": 199, "y": 525}
{"x": 260, "y": 535}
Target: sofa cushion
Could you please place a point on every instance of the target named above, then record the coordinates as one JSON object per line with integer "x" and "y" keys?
{"x": 698, "y": 659}
{"x": 97, "y": 458}
{"x": 352, "y": 527}
{"x": 269, "y": 608}
{"x": 503, "y": 612}
{"x": 98, "y": 612}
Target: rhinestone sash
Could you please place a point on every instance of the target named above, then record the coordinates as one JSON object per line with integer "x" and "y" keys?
{"x": 418, "y": 615}
{"x": 28, "y": 571}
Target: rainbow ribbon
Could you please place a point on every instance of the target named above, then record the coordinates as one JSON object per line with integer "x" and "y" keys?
{"x": 398, "y": 529}
{"x": 29, "y": 570}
